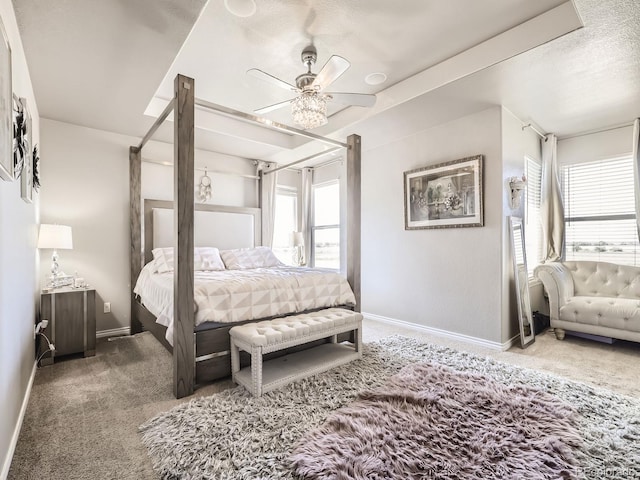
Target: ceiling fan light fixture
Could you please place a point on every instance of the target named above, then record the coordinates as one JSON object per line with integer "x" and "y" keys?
{"x": 241, "y": 8}
{"x": 309, "y": 110}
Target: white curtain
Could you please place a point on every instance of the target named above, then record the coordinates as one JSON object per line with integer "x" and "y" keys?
{"x": 268, "y": 201}
{"x": 305, "y": 218}
{"x": 551, "y": 206}
{"x": 636, "y": 169}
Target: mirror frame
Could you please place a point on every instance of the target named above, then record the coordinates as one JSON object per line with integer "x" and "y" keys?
{"x": 523, "y": 298}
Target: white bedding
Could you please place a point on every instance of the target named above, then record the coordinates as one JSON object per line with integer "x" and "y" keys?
{"x": 236, "y": 295}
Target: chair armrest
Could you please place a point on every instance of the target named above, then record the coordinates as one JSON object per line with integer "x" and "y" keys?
{"x": 558, "y": 283}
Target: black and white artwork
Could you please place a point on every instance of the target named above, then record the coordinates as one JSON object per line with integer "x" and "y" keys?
{"x": 26, "y": 178}
{"x": 446, "y": 195}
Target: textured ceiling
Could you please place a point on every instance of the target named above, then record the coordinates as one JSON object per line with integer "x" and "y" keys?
{"x": 99, "y": 62}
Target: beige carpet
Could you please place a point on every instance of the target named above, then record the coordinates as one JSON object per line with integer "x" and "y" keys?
{"x": 83, "y": 416}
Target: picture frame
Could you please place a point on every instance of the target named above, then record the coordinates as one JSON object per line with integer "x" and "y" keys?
{"x": 6, "y": 109}
{"x": 446, "y": 195}
{"x": 26, "y": 178}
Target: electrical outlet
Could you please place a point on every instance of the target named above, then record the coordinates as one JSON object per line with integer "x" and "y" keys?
{"x": 107, "y": 307}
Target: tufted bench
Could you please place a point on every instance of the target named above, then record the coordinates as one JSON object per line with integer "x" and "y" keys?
{"x": 597, "y": 298}
{"x": 280, "y": 333}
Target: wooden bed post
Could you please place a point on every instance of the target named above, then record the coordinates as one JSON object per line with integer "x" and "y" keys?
{"x": 353, "y": 215}
{"x": 135, "y": 170}
{"x": 183, "y": 191}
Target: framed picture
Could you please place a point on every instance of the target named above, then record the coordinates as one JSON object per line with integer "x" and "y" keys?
{"x": 26, "y": 179}
{"x": 447, "y": 195}
{"x": 6, "y": 109}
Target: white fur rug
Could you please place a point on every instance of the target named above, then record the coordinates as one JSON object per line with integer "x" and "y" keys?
{"x": 231, "y": 435}
{"x": 430, "y": 421}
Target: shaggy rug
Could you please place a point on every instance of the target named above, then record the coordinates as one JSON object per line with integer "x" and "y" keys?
{"x": 231, "y": 435}
{"x": 430, "y": 420}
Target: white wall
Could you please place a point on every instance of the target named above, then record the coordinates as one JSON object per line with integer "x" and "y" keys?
{"x": 516, "y": 145}
{"x": 18, "y": 266}
{"x": 447, "y": 279}
{"x": 86, "y": 185}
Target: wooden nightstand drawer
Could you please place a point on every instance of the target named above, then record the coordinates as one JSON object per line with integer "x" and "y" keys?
{"x": 72, "y": 321}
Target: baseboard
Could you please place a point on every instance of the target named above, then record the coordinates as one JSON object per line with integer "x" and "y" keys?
{"x": 114, "y": 332}
{"x": 445, "y": 333}
{"x": 16, "y": 432}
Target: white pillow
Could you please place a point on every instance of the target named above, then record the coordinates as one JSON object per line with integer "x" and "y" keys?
{"x": 243, "y": 258}
{"x": 204, "y": 259}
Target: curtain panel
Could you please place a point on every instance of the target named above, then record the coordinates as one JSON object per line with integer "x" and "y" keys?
{"x": 551, "y": 205}
{"x": 268, "y": 200}
{"x": 305, "y": 218}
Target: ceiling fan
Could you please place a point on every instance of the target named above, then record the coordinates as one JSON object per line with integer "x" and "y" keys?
{"x": 309, "y": 108}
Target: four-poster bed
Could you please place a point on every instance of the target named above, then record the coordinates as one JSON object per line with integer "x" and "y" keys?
{"x": 201, "y": 353}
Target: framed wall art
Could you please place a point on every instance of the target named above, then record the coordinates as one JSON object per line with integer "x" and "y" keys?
{"x": 446, "y": 195}
{"x": 26, "y": 179}
{"x": 6, "y": 109}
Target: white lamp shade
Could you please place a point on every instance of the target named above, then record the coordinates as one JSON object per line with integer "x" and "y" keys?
{"x": 297, "y": 240}
{"x": 55, "y": 236}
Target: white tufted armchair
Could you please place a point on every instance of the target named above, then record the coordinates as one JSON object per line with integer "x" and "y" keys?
{"x": 593, "y": 297}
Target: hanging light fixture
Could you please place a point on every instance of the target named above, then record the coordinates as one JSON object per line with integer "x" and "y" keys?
{"x": 309, "y": 110}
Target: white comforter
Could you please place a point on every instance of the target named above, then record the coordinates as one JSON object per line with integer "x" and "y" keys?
{"x": 235, "y": 295}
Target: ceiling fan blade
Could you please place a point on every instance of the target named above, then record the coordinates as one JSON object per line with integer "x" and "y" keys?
{"x": 357, "y": 99}
{"x": 273, "y": 107}
{"x": 266, "y": 77}
{"x": 334, "y": 67}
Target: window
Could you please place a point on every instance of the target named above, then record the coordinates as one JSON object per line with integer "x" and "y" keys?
{"x": 285, "y": 223}
{"x": 600, "y": 216}
{"x": 533, "y": 225}
{"x": 326, "y": 225}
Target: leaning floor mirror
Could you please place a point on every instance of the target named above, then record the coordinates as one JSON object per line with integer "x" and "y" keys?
{"x": 521, "y": 278}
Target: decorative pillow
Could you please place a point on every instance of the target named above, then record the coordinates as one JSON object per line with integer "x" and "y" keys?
{"x": 204, "y": 259}
{"x": 243, "y": 258}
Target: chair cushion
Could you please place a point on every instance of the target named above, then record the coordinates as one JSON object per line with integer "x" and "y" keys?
{"x": 619, "y": 313}
{"x": 604, "y": 279}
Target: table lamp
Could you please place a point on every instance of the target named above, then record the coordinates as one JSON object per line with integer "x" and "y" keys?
{"x": 297, "y": 241}
{"x": 55, "y": 236}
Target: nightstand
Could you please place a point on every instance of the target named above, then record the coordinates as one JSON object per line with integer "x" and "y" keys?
{"x": 72, "y": 321}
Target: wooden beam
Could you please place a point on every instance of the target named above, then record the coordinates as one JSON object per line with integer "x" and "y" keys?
{"x": 183, "y": 194}
{"x": 135, "y": 251}
{"x": 250, "y": 118}
{"x": 159, "y": 121}
{"x": 354, "y": 215}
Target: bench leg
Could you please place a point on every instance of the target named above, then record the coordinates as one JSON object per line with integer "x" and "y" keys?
{"x": 358, "y": 339}
{"x": 235, "y": 360}
{"x": 256, "y": 371}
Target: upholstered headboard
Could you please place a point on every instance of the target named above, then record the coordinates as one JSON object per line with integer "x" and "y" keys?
{"x": 220, "y": 226}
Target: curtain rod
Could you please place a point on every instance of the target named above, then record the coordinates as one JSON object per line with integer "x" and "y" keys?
{"x": 310, "y": 157}
{"x": 528, "y": 125}
{"x": 592, "y": 132}
{"x": 328, "y": 162}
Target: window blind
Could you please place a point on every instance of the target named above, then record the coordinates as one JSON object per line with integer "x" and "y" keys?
{"x": 533, "y": 227}
{"x": 599, "y": 211}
